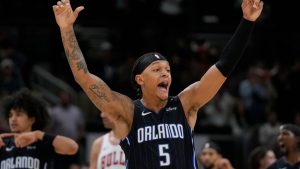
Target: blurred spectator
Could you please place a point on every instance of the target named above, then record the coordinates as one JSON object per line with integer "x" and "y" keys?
{"x": 261, "y": 158}
{"x": 219, "y": 114}
{"x": 10, "y": 78}
{"x": 67, "y": 120}
{"x": 9, "y": 50}
{"x": 254, "y": 95}
{"x": 268, "y": 131}
{"x": 210, "y": 157}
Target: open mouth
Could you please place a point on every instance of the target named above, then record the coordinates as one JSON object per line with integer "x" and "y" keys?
{"x": 13, "y": 125}
{"x": 163, "y": 86}
{"x": 281, "y": 145}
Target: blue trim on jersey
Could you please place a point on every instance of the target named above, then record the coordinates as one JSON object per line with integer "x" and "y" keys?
{"x": 194, "y": 155}
{"x": 127, "y": 139}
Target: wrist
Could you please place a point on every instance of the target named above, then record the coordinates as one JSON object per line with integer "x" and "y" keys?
{"x": 248, "y": 19}
{"x": 48, "y": 138}
{"x": 66, "y": 28}
{"x": 39, "y": 135}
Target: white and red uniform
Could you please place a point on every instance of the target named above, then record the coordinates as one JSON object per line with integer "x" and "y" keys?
{"x": 111, "y": 155}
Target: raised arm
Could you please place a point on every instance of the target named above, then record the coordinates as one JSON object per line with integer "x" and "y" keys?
{"x": 117, "y": 106}
{"x": 200, "y": 92}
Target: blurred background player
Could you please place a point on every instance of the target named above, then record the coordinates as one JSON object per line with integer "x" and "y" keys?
{"x": 27, "y": 146}
{"x": 106, "y": 153}
{"x": 288, "y": 141}
{"x": 210, "y": 157}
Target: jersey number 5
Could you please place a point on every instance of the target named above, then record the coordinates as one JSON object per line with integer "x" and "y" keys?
{"x": 162, "y": 148}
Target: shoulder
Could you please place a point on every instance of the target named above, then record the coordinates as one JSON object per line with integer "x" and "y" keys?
{"x": 278, "y": 163}
{"x": 98, "y": 142}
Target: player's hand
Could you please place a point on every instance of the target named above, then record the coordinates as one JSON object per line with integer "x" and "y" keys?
{"x": 25, "y": 139}
{"x": 2, "y": 136}
{"x": 223, "y": 164}
{"x": 64, "y": 14}
{"x": 252, "y": 9}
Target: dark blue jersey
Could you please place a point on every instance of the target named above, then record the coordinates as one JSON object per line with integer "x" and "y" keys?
{"x": 282, "y": 164}
{"x": 160, "y": 140}
{"x": 34, "y": 156}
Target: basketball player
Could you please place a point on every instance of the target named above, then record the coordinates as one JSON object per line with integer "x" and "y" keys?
{"x": 157, "y": 129}
{"x": 210, "y": 157}
{"x": 289, "y": 144}
{"x": 27, "y": 146}
{"x": 106, "y": 152}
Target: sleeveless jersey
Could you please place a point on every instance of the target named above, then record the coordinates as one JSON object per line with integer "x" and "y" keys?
{"x": 160, "y": 140}
{"x": 34, "y": 156}
{"x": 281, "y": 163}
{"x": 111, "y": 156}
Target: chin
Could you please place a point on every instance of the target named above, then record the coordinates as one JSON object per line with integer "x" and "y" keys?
{"x": 283, "y": 151}
{"x": 164, "y": 97}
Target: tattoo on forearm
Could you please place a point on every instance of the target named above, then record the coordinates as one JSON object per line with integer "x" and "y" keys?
{"x": 98, "y": 90}
{"x": 81, "y": 66}
{"x": 73, "y": 51}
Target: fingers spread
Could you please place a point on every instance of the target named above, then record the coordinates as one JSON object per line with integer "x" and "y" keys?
{"x": 78, "y": 9}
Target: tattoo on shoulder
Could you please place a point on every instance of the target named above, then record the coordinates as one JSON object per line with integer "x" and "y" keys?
{"x": 98, "y": 90}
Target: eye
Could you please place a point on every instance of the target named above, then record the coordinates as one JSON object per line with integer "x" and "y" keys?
{"x": 156, "y": 70}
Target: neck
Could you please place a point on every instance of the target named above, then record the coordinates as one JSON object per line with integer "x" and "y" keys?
{"x": 154, "y": 104}
{"x": 292, "y": 158}
{"x": 113, "y": 139}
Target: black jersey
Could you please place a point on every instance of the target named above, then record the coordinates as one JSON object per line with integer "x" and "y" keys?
{"x": 282, "y": 164}
{"x": 34, "y": 156}
{"x": 160, "y": 140}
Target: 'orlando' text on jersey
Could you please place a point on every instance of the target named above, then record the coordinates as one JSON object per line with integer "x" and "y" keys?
{"x": 34, "y": 156}
{"x": 160, "y": 140}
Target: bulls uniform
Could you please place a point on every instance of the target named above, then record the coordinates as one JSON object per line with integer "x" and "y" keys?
{"x": 160, "y": 140}
{"x": 111, "y": 156}
{"x": 33, "y": 156}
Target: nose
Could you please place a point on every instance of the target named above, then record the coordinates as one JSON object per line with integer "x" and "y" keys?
{"x": 165, "y": 73}
{"x": 102, "y": 115}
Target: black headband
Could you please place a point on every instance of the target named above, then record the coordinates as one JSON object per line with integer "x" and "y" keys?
{"x": 143, "y": 62}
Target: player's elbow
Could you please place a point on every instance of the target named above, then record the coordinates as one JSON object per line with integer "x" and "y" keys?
{"x": 82, "y": 79}
{"x": 72, "y": 148}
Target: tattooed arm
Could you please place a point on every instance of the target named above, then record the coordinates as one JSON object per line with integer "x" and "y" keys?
{"x": 117, "y": 106}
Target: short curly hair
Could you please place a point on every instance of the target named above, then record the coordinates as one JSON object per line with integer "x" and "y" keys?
{"x": 30, "y": 103}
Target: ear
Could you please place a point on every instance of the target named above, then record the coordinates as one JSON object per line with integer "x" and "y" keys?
{"x": 139, "y": 79}
{"x": 32, "y": 120}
